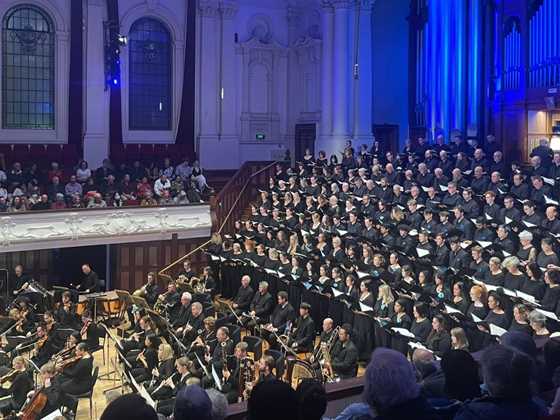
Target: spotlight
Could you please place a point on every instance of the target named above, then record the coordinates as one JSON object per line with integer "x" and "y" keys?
{"x": 122, "y": 39}
{"x": 115, "y": 82}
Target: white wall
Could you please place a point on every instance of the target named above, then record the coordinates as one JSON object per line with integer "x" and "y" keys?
{"x": 59, "y": 12}
{"x": 260, "y": 68}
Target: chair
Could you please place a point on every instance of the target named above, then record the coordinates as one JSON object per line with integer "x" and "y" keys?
{"x": 89, "y": 394}
{"x": 279, "y": 361}
{"x": 255, "y": 346}
{"x": 234, "y": 332}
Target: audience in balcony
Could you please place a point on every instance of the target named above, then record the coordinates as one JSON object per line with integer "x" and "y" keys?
{"x": 26, "y": 187}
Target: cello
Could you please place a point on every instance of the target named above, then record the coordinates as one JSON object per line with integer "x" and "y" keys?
{"x": 32, "y": 409}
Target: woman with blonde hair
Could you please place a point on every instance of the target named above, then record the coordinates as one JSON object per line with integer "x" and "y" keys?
{"x": 478, "y": 305}
{"x": 293, "y": 245}
{"x": 383, "y": 308}
{"x": 459, "y": 340}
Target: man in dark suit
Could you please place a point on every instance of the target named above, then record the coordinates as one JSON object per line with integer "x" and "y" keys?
{"x": 90, "y": 282}
{"x": 280, "y": 319}
{"x": 181, "y": 317}
{"x": 344, "y": 355}
{"x": 304, "y": 335}
{"x": 242, "y": 300}
{"x": 261, "y": 304}
{"x": 462, "y": 224}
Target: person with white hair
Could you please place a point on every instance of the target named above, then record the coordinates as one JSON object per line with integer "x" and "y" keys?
{"x": 390, "y": 391}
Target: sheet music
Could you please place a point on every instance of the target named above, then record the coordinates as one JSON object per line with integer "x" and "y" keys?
{"x": 548, "y": 314}
{"x": 336, "y": 292}
{"x": 496, "y": 331}
{"x": 475, "y": 318}
{"x": 365, "y": 308}
{"x": 452, "y": 310}
{"x": 548, "y": 200}
{"x": 422, "y": 252}
{"x": 403, "y": 331}
{"x": 216, "y": 378}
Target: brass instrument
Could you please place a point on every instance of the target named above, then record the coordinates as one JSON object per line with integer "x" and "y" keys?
{"x": 325, "y": 362}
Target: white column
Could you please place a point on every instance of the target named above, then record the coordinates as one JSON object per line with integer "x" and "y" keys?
{"x": 325, "y": 139}
{"x": 96, "y": 139}
{"x": 293, "y": 105}
{"x": 210, "y": 85}
{"x": 228, "y": 90}
{"x": 341, "y": 83}
{"x": 363, "y": 89}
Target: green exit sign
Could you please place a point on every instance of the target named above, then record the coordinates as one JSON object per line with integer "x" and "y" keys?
{"x": 260, "y": 136}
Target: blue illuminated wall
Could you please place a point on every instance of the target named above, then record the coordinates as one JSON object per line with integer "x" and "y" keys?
{"x": 390, "y": 64}
{"x": 449, "y": 73}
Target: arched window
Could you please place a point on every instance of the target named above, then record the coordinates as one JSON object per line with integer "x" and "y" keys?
{"x": 150, "y": 76}
{"x": 27, "y": 69}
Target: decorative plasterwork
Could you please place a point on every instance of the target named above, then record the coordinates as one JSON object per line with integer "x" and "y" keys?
{"x": 45, "y": 230}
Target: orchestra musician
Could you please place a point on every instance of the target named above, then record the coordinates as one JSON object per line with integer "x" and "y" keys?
{"x": 48, "y": 388}
{"x": 89, "y": 332}
{"x": 181, "y": 317}
{"x": 150, "y": 290}
{"x": 184, "y": 372}
{"x": 187, "y": 271}
{"x": 69, "y": 350}
{"x": 262, "y": 372}
{"x": 75, "y": 376}
{"x": 90, "y": 281}
{"x": 147, "y": 360}
{"x": 261, "y": 306}
{"x": 326, "y": 337}
{"x": 208, "y": 281}
{"x": 205, "y": 342}
{"x": 242, "y": 300}
{"x": 21, "y": 382}
{"x": 19, "y": 281}
{"x": 164, "y": 370}
{"x": 45, "y": 346}
{"x": 302, "y": 339}
{"x": 168, "y": 302}
{"x": 344, "y": 355}
{"x": 230, "y": 373}
{"x": 282, "y": 317}
{"x": 136, "y": 340}
{"x": 217, "y": 354}
{"x": 65, "y": 312}
{"x": 195, "y": 323}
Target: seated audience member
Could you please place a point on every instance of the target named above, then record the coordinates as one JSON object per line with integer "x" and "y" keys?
{"x": 192, "y": 402}
{"x": 506, "y": 375}
{"x": 272, "y": 400}
{"x": 461, "y": 377}
{"x": 430, "y": 376}
{"x": 312, "y": 399}
{"x": 219, "y": 404}
{"x": 129, "y": 406}
{"x": 390, "y": 391}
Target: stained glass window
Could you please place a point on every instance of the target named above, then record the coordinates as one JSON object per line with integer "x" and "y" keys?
{"x": 27, "y": 69}
{"x": 150, "y": 76}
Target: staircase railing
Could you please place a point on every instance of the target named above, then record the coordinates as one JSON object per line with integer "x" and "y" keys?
{"x": 230, "y": 203}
